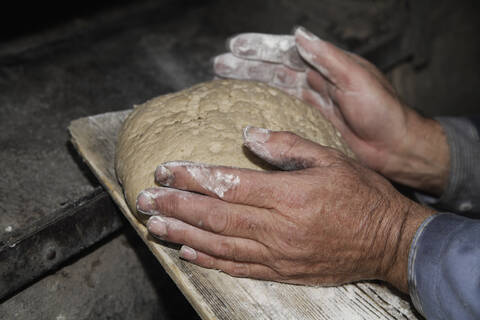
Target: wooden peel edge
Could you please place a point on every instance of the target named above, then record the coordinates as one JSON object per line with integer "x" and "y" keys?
{"x": 76, "y": 128}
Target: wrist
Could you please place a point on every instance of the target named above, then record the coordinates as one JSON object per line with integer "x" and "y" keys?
{"x": 422, "y": 161}
{"x": 406, "y": 224}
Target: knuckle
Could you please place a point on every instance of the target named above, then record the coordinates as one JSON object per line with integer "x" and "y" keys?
{"x": 252, "y": 227}
{"x": 236, "y": 193}
{"x": 334, "y": 158}
{"x": 207, "y": 262}
{"x": 175, "y": 232}
{"x": 226, "y": 222}
{"x": 335, "y": 155}
{"x": 238, "y": 269}
{"x": 227, "y": 249}
{"x": 169, "y": 204}
{"x": 292, "y": 243}
{"x": 279, "y": 265}
{"x": 293, "y": 234}
{"x": 290, "y": 138}
{"x": 211, "y": 263}
{"x": 218, "y": 221}
{"x": 245, "y": 222}
{"x": 284, "y": 269}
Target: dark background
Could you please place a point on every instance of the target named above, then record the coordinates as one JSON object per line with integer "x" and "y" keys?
{"x": 62, "y": 61}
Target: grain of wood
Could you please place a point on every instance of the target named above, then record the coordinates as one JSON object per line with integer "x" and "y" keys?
{"x": 215, "y": 295}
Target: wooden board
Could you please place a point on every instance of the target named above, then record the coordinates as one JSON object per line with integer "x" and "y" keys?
{"x": 215, "y": 295}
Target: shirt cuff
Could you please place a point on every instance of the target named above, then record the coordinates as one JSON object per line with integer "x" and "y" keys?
{"x": 443, "y": 277}
{"x": 412, "y": 258}
{"x": 460, "y": 194}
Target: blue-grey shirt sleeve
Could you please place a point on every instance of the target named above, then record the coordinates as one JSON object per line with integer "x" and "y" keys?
{"x": 444, "y": 260}
{"x": 461, "y": 194}
{"x": 444, "y": 267}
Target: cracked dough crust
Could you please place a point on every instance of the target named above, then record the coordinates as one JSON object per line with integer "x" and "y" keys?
{"x": 204, "y": 124}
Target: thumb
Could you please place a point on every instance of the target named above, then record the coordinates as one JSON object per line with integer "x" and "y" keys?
{"x": 284, "y": 149}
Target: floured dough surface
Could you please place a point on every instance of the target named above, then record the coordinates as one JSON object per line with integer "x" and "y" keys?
{"x": 204, "y": 124}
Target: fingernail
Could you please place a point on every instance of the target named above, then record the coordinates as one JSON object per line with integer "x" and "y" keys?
{"x": 255, "y": 135}
{"x": 240, "y": 46}
{"x": 304, "y": 33}
{"x": 157, "y": 226}
{"x": 295, "y": 27}
{"x": 163, "y": 175}
{"x": 146, "y": 203}
{"x": 229, "y": 42}
{"x": 188, "y": 253}
{"x": 213, "y": 61}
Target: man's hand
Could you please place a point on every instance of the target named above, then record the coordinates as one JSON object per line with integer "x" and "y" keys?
{"x": 328, "y": 221}
{"x": 385, "y": 134}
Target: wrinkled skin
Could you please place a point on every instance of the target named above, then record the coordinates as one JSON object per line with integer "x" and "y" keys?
{"x": 386, "y": 135}
{"x": 326, "y": 219}
{"x": 329, "y": 221}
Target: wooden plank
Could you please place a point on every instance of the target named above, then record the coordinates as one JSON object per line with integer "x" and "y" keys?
{"x": 215, "y": 295}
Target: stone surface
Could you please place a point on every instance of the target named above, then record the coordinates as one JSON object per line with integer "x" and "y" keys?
{"x": 117, "y": 279}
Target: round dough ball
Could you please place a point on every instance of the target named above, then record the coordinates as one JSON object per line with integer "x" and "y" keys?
{"x": 204, "y": 124}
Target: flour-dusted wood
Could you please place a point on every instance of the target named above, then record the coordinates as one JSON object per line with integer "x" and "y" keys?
{"x": 215, "y": 295}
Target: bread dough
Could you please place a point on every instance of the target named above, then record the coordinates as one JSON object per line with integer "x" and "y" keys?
{"x": 204, "y": 124}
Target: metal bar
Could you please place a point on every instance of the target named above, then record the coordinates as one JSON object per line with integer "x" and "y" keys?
{"x": 72, "y": 229}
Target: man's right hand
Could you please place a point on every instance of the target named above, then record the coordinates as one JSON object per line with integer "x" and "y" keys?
{"x": 386, "y": 135}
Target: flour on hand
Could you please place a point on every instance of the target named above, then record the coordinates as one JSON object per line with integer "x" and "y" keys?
{"x": 204, "y": 124}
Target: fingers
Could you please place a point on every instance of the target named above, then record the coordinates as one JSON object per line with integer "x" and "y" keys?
{"x": 276, "y": 75}
{"x": 327, "y": 108}
{"x": 229, "y": 66}
{"x": 285, "y": 150}
{"x": 282, "y": 149}
{"x": 373, "y": 71}
{"x": 231, "y": 248}
{"x": 233, "y": 185}
{"x": 334, "y": 115}
{"x": 319, "y": 95}
{"x": 332, "y": 62}
{"x": 318, "y": 83}
{"x": 204, "y": 212}
{"x": 233, "y": 268}
{"x": 244, "y": 186}
{"x": 267, "y": 47}
{"x": 325, "y": 98}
